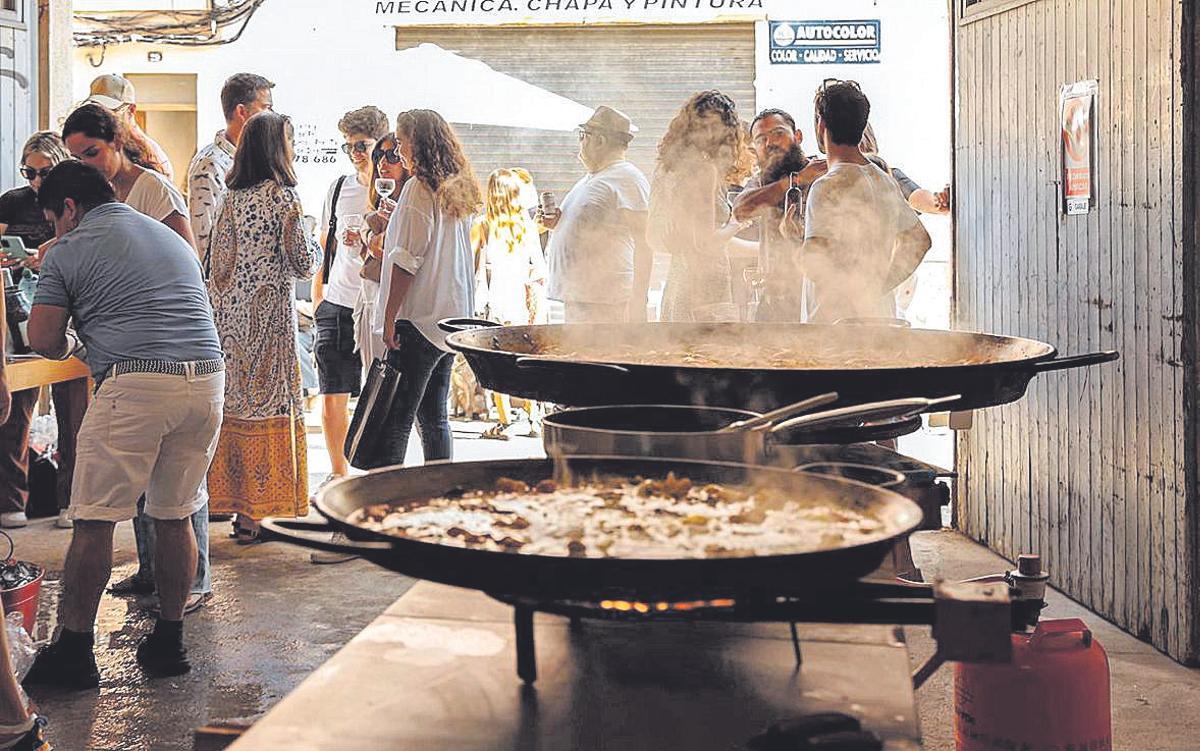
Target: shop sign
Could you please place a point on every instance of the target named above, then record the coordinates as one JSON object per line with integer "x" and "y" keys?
{"x": 554, "y": 10}
{"x": 824, "y": 42}
{"x": 1077, "y": 109}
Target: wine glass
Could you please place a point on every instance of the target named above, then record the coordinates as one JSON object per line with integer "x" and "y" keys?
{"x": 384, "y": 187}
{"x": 354, "y": 223}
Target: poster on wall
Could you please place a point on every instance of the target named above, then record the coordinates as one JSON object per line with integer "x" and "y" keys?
{"x": 824, "y": 42}
{"x": 1077, "y": 109}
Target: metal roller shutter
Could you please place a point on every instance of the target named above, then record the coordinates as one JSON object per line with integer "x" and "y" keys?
{"x": 645, "y": 71}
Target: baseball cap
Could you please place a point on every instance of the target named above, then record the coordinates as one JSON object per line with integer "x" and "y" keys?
{"x": 111, "y": 91}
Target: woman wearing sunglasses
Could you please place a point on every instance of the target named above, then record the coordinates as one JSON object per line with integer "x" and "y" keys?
{"x": 20, "y": 216}
{"x": 427, "y": 275}
{"x": 389, "y": 173}
{"x": 19, "y": 212}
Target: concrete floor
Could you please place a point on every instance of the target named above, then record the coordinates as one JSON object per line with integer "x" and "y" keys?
{"x": 275, "y": 617}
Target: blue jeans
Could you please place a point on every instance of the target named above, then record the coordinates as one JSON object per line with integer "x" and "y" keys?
{"x": 421, "y": 398}
{"x": 143, "y": 534}
{"x": 305, "y": 341}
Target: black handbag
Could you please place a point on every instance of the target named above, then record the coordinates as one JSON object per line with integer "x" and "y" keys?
{"x": 374, "y": 404}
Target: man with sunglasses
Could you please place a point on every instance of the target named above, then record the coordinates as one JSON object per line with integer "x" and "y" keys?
{"x": 861, "y": 238}
{"x": 336, "y": 287}
{"x": 783, "y": 179}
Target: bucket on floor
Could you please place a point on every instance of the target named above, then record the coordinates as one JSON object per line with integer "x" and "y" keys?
{"x": 23, "y": 598}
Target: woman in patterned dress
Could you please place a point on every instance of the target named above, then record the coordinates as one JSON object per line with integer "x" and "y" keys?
{"x": 259, "y": 249}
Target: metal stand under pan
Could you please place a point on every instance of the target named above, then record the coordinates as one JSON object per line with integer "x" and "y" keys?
{"x": 972, "y": 620}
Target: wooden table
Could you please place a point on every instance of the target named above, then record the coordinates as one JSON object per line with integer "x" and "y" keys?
{"x": 31, "y": 373}
{"x": 438, "y": 671}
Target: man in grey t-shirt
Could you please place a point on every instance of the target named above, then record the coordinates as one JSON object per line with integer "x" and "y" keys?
{"x": 137, "y": 296}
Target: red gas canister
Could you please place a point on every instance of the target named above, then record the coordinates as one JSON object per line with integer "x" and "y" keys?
{"x": 1053, "y": 696}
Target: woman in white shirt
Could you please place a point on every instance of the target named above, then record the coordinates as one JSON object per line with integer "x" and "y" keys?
{"x": 427, "y": 275}
{"x": 95, "y": 136}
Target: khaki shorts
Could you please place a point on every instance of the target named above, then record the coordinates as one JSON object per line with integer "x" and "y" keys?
{"x": 147, "y": 433}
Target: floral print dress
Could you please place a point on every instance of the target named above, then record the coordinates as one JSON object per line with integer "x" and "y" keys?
{"x": 259, "y": 249}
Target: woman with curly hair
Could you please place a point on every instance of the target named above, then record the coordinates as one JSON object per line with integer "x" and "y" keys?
{"x": 427, "y": 275}
{"x": 689, "y": 212}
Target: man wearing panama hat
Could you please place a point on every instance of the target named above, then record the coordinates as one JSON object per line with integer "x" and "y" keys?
{"x": 599, "y": 261}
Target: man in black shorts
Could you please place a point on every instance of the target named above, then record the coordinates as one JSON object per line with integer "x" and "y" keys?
{"x": 337, "y": 287}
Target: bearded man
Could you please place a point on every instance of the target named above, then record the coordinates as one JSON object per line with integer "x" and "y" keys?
{"x": 783, "y": 167}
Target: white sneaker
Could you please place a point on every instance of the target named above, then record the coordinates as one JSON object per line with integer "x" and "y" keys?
{"x": 13, "y": 519}
{"x": 63, "y": 521}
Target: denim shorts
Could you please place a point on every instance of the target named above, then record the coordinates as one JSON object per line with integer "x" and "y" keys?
{"x": 339, "y": 368}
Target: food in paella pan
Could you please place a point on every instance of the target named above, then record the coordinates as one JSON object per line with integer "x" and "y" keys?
{"x": 828, "y": 355}
{"x": 625, "y": 518}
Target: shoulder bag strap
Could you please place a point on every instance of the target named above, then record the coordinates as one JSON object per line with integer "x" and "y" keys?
{"x": 331, "y": 234}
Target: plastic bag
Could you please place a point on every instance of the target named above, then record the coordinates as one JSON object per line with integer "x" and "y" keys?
{"x": 21, "y": 649}
{"x": 43, "y": 435}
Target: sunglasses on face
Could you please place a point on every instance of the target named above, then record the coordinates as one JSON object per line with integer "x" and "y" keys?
{"x": 30, "y": 173}
{"x": 833, "y": 81}
{"x": 359, "y": 147}
{"x": 393, "y": 156}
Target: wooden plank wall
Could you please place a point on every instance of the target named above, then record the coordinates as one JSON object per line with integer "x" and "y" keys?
{"x": 1090, "y": 469}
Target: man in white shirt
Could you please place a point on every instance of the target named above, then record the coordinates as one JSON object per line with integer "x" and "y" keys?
{"x": 243, "y": 96}
{"x": 599, "y": 260}
{"x": 861, "y": 238}
{"x": 336, "y": 288}
{"x": 117, "y": 94}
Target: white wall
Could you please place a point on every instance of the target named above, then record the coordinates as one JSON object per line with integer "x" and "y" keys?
{"x": 329, "y": 57}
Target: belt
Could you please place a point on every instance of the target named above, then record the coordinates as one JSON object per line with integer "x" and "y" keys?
{"x": 189, "y": 369}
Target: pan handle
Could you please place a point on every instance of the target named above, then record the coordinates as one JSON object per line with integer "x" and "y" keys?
{"x": 294, "y": 531}
{"x": 775, "y": 415}
{"x": 893, "y": 408}
{"x": 454, "y": 325}
{"x": 538, "y": 363}
{"x": 1076, "y": 361}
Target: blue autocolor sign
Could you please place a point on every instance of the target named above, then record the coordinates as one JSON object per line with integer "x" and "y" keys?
{"x": 819, "y": 42}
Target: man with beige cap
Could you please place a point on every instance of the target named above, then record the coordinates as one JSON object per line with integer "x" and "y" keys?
{"x": 117, "y": 94}
{"x": 599, "y": 259}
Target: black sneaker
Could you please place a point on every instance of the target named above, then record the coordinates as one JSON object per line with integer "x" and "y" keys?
{"x": 35, "y": 739}
{"x": 162, "y": 658}
{"x": 132, "y": 585}
{"x": 69, "y": 669}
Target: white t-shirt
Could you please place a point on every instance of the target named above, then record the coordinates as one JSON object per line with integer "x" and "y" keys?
{"x": 436, "y": 250}
{"x": 591, "y": 251}
{"x": 859, "y": 211}
{"x": 155, "y": 196}
{"x": 344, "y": 282}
